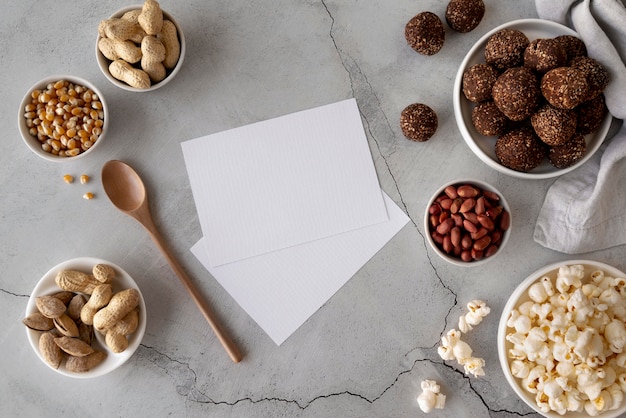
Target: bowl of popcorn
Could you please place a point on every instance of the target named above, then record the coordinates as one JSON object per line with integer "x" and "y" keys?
{"x": 63, "y": 118}
{"x": 467, "y": 222}
{"x": 561, "y": 340}
{"x": 85, "y": 317}
{"x": 529, "y": 101}
{"x": 140, "y": 48}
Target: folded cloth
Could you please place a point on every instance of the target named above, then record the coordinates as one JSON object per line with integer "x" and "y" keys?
{"x": 585, "y": 210}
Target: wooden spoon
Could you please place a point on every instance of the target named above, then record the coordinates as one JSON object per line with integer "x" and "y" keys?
{"x": 127, "y": 192}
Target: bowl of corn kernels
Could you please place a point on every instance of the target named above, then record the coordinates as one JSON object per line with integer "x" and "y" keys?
{"x": 63, "y": 118}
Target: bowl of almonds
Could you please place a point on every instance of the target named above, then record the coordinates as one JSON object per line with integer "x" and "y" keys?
{"x": 85, "y": 318}
{"x": 467, "y": 222}
{"x": 63, "y": 118}
{"x": 140, "y": 48}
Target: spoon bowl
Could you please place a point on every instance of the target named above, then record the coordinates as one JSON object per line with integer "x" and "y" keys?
{"x": 123, "y": 186}
{"x": 127, "y": 192}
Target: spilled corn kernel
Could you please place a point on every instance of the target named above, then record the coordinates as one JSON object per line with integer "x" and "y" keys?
{"x": 68, "y": 178}
{"x": 88, "y": 196}
{"x": 84, "y": 179}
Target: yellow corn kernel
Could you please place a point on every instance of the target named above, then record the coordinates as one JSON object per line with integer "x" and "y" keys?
{"x": 88, "y": 196}
{"x": 68, "y": 178}
{"x": 84, "y": 179}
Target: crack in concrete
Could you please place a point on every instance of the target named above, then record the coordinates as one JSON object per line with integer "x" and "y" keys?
{"x": 354, "y": 71}
{"x": 352, "y": 74}
{"x": 177, "y": 369}
{"x": 475, "y": 391}
{"x": 14, "y": 294}
{"x": 165, "y": 362}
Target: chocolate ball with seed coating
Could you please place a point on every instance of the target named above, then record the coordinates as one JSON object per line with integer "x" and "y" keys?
{"x": 573, "y": 46}
{"x": 505, "y": 49}
{"x": 597, "y": 76}
{"x": 478, "y": 81}
{"x": 464, "y": 15}
{"x": 424, "y": 33}
{"x": 543, "y": 55}
{"x": 418, "y": 122}
{"x": 590, "y": 115}
{"x": 516, "y": 93}
{"x": 568, "y": 154}
{"x": 489, "y": 120}
{"x": 564, "y": 87}
{"x": 552, "y": 125}
{"x": 520, "y": 150}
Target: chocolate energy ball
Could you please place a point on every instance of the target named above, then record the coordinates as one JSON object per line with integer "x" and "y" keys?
{"x": 516, "y": 93}
{"x": 489, "y": 120}
{"x": 565, "y": 87}
{"x": 418, "y": 122}
{"x": 590, "y": 115}
{"x": 478, "y": 80}
{"x": 597, "y": 76}
{"x": 464, "y": 15}
{"x": 573, "y": 46}
{"x": 552, "y": 125}
{"x": 568, "y": 154}
{"x": 505, "y": 49}
{"x": 424, "y": 33}
{"x": 520, "y": 150}
{"x": 542, "y": 55}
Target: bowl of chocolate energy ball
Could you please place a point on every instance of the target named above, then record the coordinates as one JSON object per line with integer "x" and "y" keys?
{"x": 529, "y": 101}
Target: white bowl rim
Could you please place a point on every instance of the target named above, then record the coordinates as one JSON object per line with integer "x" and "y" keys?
{"x": 33, "y": 143}
{"x": 113, "y": 360}
{"x": 458, "y": 97}
{"x": 502, "y": 329}
{"x": 485, "y": 186}
{"x": 101, "y": 59}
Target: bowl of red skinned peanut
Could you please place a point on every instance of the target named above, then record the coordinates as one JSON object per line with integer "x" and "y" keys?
{"x": 467, "y": 222}
{"x": 63, "y": 118}
{"x": 561, "y": 340}
{"x": 140, "y": 48}
{"x": 85, "y": 318}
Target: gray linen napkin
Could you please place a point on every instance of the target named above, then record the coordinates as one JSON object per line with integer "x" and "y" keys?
{"x": 585, "y": 210}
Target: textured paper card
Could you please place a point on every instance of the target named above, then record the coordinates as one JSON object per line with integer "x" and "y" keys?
{"x": 280, "y": 290}
{"x": 283, "y": 182}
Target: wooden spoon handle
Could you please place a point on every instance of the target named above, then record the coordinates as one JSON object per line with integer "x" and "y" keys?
{"x": 221, "y": 335}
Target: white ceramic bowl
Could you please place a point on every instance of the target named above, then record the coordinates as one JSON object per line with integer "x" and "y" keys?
{"x": 33, "y": 143}
{"x": 451, "y": 258}
{"x": 519, "y": 296}
{"x": 47, "y": 286}
{"x": 483, "y": 146}
{"x": 103, "y": 62}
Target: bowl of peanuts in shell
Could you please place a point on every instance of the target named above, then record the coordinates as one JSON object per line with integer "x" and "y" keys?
{"x": 85, "y": 317}
{"x": 63, "y": 118}
{"x": 561, "y": 340}
{"x": 140, "y": 48}
{"x": 467, "y": 222}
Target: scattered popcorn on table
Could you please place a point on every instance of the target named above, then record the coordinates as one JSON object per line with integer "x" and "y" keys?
{"x": 568, "y": 341}
{"x": 477, "y": 310}
{"x": 431, "y": 398}
{"x": 453, "y": 348}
